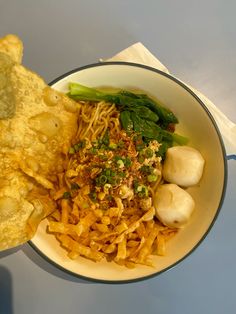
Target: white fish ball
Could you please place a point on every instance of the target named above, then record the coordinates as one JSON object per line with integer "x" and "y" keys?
{"x": 183, "y": 166}
{"x": 173, "y": 205}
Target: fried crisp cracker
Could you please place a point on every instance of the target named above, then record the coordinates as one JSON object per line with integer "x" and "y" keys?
{"x": 11, "y": 49}
{"x": 7, "y": 97}
{"x": 33, "y": 141}
{"x": 12, "y": 46}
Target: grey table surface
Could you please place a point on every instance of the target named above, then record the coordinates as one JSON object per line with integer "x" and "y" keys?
{"x": 196, "y": 40}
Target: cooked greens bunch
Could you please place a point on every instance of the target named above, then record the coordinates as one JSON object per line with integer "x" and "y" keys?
{"x": 138, "y": 113}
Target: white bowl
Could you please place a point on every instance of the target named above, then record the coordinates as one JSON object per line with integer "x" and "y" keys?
{"x": 197, "y": 123}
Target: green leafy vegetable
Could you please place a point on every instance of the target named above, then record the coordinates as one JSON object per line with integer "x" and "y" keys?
{"x": 153, "y": 110}
{"x": 138, "y": 113}
{"x": 126, "y": 121}
{"x": 163, "y": 113}
{"x": 162, "y": 150}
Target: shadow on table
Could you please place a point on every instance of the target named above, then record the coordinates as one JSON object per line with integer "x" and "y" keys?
{"x": 9, "y": 252}
{"x": 6, "y": 302}
{"x": 48, "y": 267}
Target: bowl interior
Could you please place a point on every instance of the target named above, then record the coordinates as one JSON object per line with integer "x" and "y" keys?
{"x": 196, "y": 124}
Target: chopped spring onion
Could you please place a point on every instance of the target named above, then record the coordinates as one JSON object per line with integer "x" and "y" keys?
{"x": 74, "y": 186}
{"x": 66, "y": 195}
{"x": 120, "y": 163}
{"x": 113, "y": 146}
{"x": 93, "y": 196}
{"x": 152, "y": 177}
{"x": 71, "y": 150}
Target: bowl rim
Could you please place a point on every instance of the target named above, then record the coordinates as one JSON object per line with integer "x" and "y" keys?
{"x": 225, "y": 167}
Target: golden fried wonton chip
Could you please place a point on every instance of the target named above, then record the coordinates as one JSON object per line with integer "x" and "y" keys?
{"x": 11, "y": 49}
{"x": 33, "y": 142}
{"x": 12, "y": 46}
{"x": 7, "y": 98}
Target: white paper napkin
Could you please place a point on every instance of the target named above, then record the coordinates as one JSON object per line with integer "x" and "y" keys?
{"x": 138, "y": 53}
